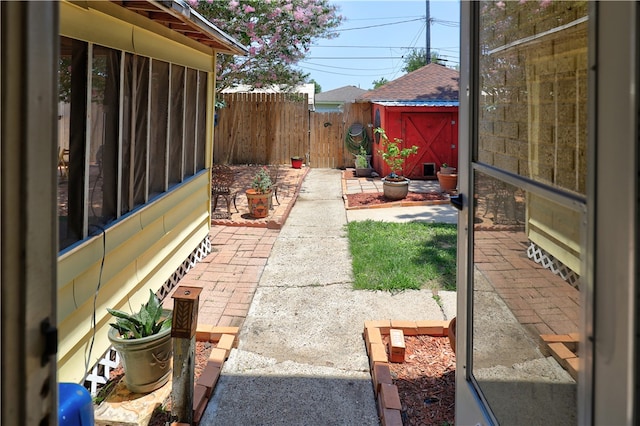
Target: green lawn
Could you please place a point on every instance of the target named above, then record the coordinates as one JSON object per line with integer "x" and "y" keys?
{"x": 398, "y": 256}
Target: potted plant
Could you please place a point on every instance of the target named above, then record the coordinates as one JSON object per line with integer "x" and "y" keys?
{"x": 143, "y": 340}
{"x": 447, "y": 178}
{"x": 362, "y": 163}
{"x": 219, "y": 104}
{"x": 259, "y": 196}
{"x": 394, "y": 185}
{"x": 296, "y": 162}
{"x": 451, "y": 333}
{"x": 445, "y": 169}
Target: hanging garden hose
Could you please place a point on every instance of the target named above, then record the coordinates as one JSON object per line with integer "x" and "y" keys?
{"x": 355, "y": 138}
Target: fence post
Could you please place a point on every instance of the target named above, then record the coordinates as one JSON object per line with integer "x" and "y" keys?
{"x": 183, "y": 331}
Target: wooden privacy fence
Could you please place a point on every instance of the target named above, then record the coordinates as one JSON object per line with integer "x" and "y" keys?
{"x": 270, "y": 128}
{"x": 261, "y": 128}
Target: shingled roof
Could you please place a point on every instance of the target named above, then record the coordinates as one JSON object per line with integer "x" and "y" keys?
{"x": 341, "y": 94}
{"x": 432, "y": 83}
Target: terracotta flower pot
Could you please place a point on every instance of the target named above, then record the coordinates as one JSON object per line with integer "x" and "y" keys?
{"x": 258, "y": 203}
{"x": 448, "y": 183}
{"x": 452, "y": 334}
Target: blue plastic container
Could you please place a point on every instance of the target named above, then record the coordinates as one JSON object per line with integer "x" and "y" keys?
{"x": 75, "y": 407}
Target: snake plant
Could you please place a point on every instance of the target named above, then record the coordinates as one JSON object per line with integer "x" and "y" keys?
{"x": 146, "y": 322}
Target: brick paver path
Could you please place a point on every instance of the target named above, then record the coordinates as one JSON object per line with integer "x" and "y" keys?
{"x": 229, "y": 275}
{"x": 539, "y": 299}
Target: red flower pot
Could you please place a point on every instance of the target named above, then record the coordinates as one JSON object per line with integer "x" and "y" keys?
{"x": 296, "y": 163}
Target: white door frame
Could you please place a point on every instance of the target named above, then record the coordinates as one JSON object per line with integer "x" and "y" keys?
{"x": 608, "y": 354}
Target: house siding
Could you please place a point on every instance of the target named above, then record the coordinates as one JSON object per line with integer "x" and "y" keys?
{"x": 142, "y": 249}
{"x": 140, "y": 254}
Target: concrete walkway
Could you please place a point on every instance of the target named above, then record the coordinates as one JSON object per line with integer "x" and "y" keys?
{"x": 301, "y": 358}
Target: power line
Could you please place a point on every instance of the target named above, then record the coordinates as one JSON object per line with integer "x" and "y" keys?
{"x": 370, "y": 47}
{"x": 345, "y": 74}
{"x": 452, "y": 48}
{"x": 384, "y": 17}
{"x": 353, "y": 69}
{"x": 445, "y": 23}
{"x": 352, "y": 58}
{"x": 375, "y": 26}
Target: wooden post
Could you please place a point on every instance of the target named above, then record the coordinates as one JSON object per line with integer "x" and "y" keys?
{"x": 183, "y": 331}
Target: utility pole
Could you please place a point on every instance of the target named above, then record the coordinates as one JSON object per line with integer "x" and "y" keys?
{"x": 428, "y": 33}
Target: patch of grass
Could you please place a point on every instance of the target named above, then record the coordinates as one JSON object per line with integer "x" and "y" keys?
{"x": 400, "y": 256}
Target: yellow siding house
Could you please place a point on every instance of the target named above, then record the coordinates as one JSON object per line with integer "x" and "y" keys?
{"x": 135, "y": 137}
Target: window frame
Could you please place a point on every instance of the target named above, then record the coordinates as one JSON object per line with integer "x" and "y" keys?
{"x": 192, "y": 120}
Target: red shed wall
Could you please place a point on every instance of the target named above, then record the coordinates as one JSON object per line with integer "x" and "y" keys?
{"x": 434, "y": 130}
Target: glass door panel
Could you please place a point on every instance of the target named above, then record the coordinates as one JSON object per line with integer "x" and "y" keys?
{"x": 528, "y": 186}
{"x": 526, "y": 304}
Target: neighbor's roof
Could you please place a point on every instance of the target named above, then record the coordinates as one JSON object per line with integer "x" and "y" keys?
{"x": 341, "y": 94}
{"x": 430, "y": 84}
{"x": 178, "y": 16}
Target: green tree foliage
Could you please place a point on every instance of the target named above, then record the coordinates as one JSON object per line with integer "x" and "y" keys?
{"x": 417, "y": 58}
{"x": 380, "y": 82}
{"x": 316, "y": 85}
{"x": 277, "y": 33}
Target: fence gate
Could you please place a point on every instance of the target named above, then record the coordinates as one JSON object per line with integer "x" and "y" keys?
{"x": 327, "y": 134}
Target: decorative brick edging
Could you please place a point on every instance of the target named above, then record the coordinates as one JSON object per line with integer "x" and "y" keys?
{"x": 386, "y": 393}
{"x": 400, "y": 203}
{"x": 225, "y": 338}
{"x": 564, "y": 348}
{"x": 294, "y": 198}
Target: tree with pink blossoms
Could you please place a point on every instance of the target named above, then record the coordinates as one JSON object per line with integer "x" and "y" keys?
{"x": 277, "y": 33}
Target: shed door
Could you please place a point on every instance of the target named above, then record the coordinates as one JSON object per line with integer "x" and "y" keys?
{"x": 435, "y": 133}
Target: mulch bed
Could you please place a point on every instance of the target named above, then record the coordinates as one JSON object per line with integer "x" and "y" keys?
{"x": 426, "y": 381}
{"x": 377, "y": 198}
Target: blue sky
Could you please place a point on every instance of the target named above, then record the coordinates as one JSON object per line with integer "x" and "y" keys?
{"x": 367, "y": 54}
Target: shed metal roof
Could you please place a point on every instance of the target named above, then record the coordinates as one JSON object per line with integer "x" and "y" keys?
{"x": 418, "y": 103}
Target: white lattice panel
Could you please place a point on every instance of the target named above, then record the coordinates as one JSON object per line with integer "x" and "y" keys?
{"x": 100, "y": 372}
{"x": 549, "y": 262}
{"x": 202, "y": 251}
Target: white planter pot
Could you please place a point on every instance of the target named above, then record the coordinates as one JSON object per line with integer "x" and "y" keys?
{"x": 146, "y": 361}
{"x": 395, "y": 190}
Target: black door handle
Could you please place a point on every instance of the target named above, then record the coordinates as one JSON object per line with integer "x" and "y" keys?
{"x": 456, "y": 201}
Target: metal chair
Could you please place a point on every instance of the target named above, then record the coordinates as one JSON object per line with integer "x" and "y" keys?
{"x": 222, "y": 180}
{"x": 274, "y": 173}
{"x": 501, "y": 199}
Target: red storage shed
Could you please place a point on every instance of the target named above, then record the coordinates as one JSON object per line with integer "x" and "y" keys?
{"x": 421, "y": 108}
